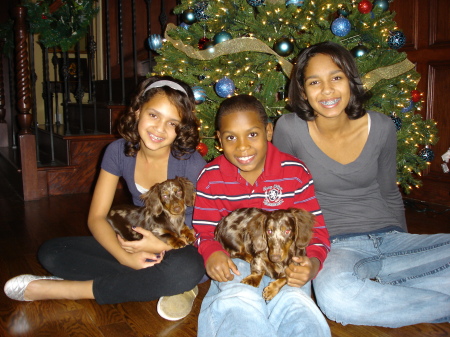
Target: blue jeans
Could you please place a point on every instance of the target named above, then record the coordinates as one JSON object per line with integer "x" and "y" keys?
{"x": 235, "y": 309}
{"x": 389, "y": 279}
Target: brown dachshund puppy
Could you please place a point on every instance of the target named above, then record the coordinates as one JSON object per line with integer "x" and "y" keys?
{"x": 163, "y": 213}
{"x": 266, "y": 240}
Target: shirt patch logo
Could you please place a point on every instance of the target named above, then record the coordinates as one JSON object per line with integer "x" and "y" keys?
{"x": 273, "y": 195}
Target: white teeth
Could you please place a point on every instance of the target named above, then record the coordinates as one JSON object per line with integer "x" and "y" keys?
{"x": 330, "y": 102}
{"x": 245, "y": 158}
{"x": 156, "y": 138}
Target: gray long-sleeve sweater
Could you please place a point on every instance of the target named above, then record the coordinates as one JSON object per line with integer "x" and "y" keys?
{"x": 359, "y": 197}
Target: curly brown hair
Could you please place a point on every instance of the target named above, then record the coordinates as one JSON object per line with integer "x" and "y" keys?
{"x": 187, "y": 131}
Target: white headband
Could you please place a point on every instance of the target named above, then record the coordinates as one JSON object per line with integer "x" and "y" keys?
{"x": 167, "y": 83}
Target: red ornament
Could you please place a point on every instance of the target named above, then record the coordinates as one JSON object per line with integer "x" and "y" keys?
{"x": 44, "y": 17}
{"x": 365, "y": 6}
{"x": 202, "y": 42}
{"x": 416, "y": 96}
{"x": 202, "y": 149}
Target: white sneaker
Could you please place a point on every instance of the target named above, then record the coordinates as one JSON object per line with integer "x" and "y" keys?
{"x": 176, "y": 307}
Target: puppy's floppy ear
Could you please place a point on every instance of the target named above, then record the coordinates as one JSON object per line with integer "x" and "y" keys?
{"x": 257, "y": 230}
{"x": 189, "y": 193}
{"x": 304, "y": 223}
{"x": 153, "y": 199}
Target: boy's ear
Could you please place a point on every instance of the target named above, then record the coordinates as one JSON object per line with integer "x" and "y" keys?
{"x": 269, "y": 131}
{"x": 218, "y": 138}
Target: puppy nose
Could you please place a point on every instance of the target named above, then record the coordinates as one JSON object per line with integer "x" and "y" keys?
{"x": 177, "y": 208}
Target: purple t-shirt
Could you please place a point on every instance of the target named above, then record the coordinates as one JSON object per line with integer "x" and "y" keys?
{"x": 115, "y": 162}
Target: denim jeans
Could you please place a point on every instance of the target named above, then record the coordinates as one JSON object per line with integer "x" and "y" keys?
{"x": 235, "y": 309}
{"x": 388, "y": 279}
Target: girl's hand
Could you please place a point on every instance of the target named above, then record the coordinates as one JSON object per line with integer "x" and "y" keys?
{"x": 142, "y": 260}
{"x": 218, "y": 267}
{"x": 302, "y": 270}
{"x": 149, "y": 243}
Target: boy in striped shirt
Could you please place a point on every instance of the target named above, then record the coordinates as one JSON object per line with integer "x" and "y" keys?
{"x": 253, "y": 173}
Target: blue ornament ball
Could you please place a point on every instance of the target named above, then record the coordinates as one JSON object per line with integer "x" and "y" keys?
{"x": 383, "y": 4}
{"x": 397, "y": 39}
{"x": 341, "y": 27}
{"x": 184, "y": 25}
{"x": 188, "y": 16}
{"x": 225, "y": 87}
{"x": 199, "y": 11}
{"x": 255, "y": 3}
{"x": 426, "y": 154}
{"x": 397, "y": 121}
{"x": 409, "y": 107}
{"x": 359, "y": 51}
{"x": 209, "y": 46}
{"x": 199, "y": 94}
{"x": 283, "y": 46}
{"x": 154, "y": 42}
{"x": 221, "y": 37}
{"x": 297, "y": 3}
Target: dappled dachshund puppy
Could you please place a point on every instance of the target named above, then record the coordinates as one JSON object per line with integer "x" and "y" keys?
{"x": 266, "y": 240}
{"x": 163, "y": 213}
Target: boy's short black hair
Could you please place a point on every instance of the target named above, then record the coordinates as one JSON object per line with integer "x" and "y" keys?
{"x": 241, "y": 103}
{"x": 345, "y": 61}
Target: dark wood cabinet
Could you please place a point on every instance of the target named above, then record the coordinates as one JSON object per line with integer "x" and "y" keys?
{"x": 426, "y": 24}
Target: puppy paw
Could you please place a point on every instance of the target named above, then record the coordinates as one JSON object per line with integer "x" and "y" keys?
{"x": 187, "y": 235}
{"x": 273, "y": 288}
{"x": 253, "y": 280}
{"x": 177, "y": 243}
{"x": 269, "y": 292}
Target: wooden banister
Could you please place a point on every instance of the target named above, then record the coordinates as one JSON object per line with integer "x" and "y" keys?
{"x": 27, "y": 140}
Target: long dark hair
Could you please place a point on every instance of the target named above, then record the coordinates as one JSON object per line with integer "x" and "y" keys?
{"x": 345, "y": 61}
{"x": 187, "y": 131}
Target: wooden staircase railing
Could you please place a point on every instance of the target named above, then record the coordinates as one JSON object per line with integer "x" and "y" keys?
{"x": 25, "y": 143}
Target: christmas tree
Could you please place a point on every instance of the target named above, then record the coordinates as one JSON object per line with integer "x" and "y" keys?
{"x": 228, "y": 47}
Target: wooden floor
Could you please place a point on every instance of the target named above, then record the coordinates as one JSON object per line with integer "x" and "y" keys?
{"x": 25, "y": 225}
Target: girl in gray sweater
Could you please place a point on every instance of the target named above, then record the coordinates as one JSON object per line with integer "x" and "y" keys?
{"x": 376, "y": 272}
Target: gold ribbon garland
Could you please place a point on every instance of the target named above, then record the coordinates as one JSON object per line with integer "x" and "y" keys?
{"x": 233, "y": 46}
{"x": 386, "y": 73}
{"x": 250, "y": 44}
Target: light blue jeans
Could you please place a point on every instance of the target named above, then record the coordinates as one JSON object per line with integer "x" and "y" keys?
{"x": 236, "y": 309}
{"x": 389, "y": 279}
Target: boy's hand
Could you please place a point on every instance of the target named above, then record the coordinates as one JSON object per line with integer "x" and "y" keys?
{"x": 218, "y": 267}
{"x": 302, "y": 270}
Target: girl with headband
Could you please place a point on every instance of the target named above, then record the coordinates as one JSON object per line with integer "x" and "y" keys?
{"x": 159, "y": 137}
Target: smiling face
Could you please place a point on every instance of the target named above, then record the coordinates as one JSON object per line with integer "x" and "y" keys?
{"x": 243, "y": 137}
{"x": 327, "y": 88}
{"x": 158, "y": 119}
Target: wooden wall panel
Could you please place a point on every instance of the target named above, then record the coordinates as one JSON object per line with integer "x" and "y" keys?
{"x": 439, "y": 23}
{"x": 407, "y": 19}
{"x": 426, "y": 25}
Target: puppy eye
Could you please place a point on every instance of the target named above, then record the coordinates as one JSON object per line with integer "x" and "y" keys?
{"x": 269, "y": 231}
{"x": 287, "y": 231}
{"x": 165, "y": 196}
